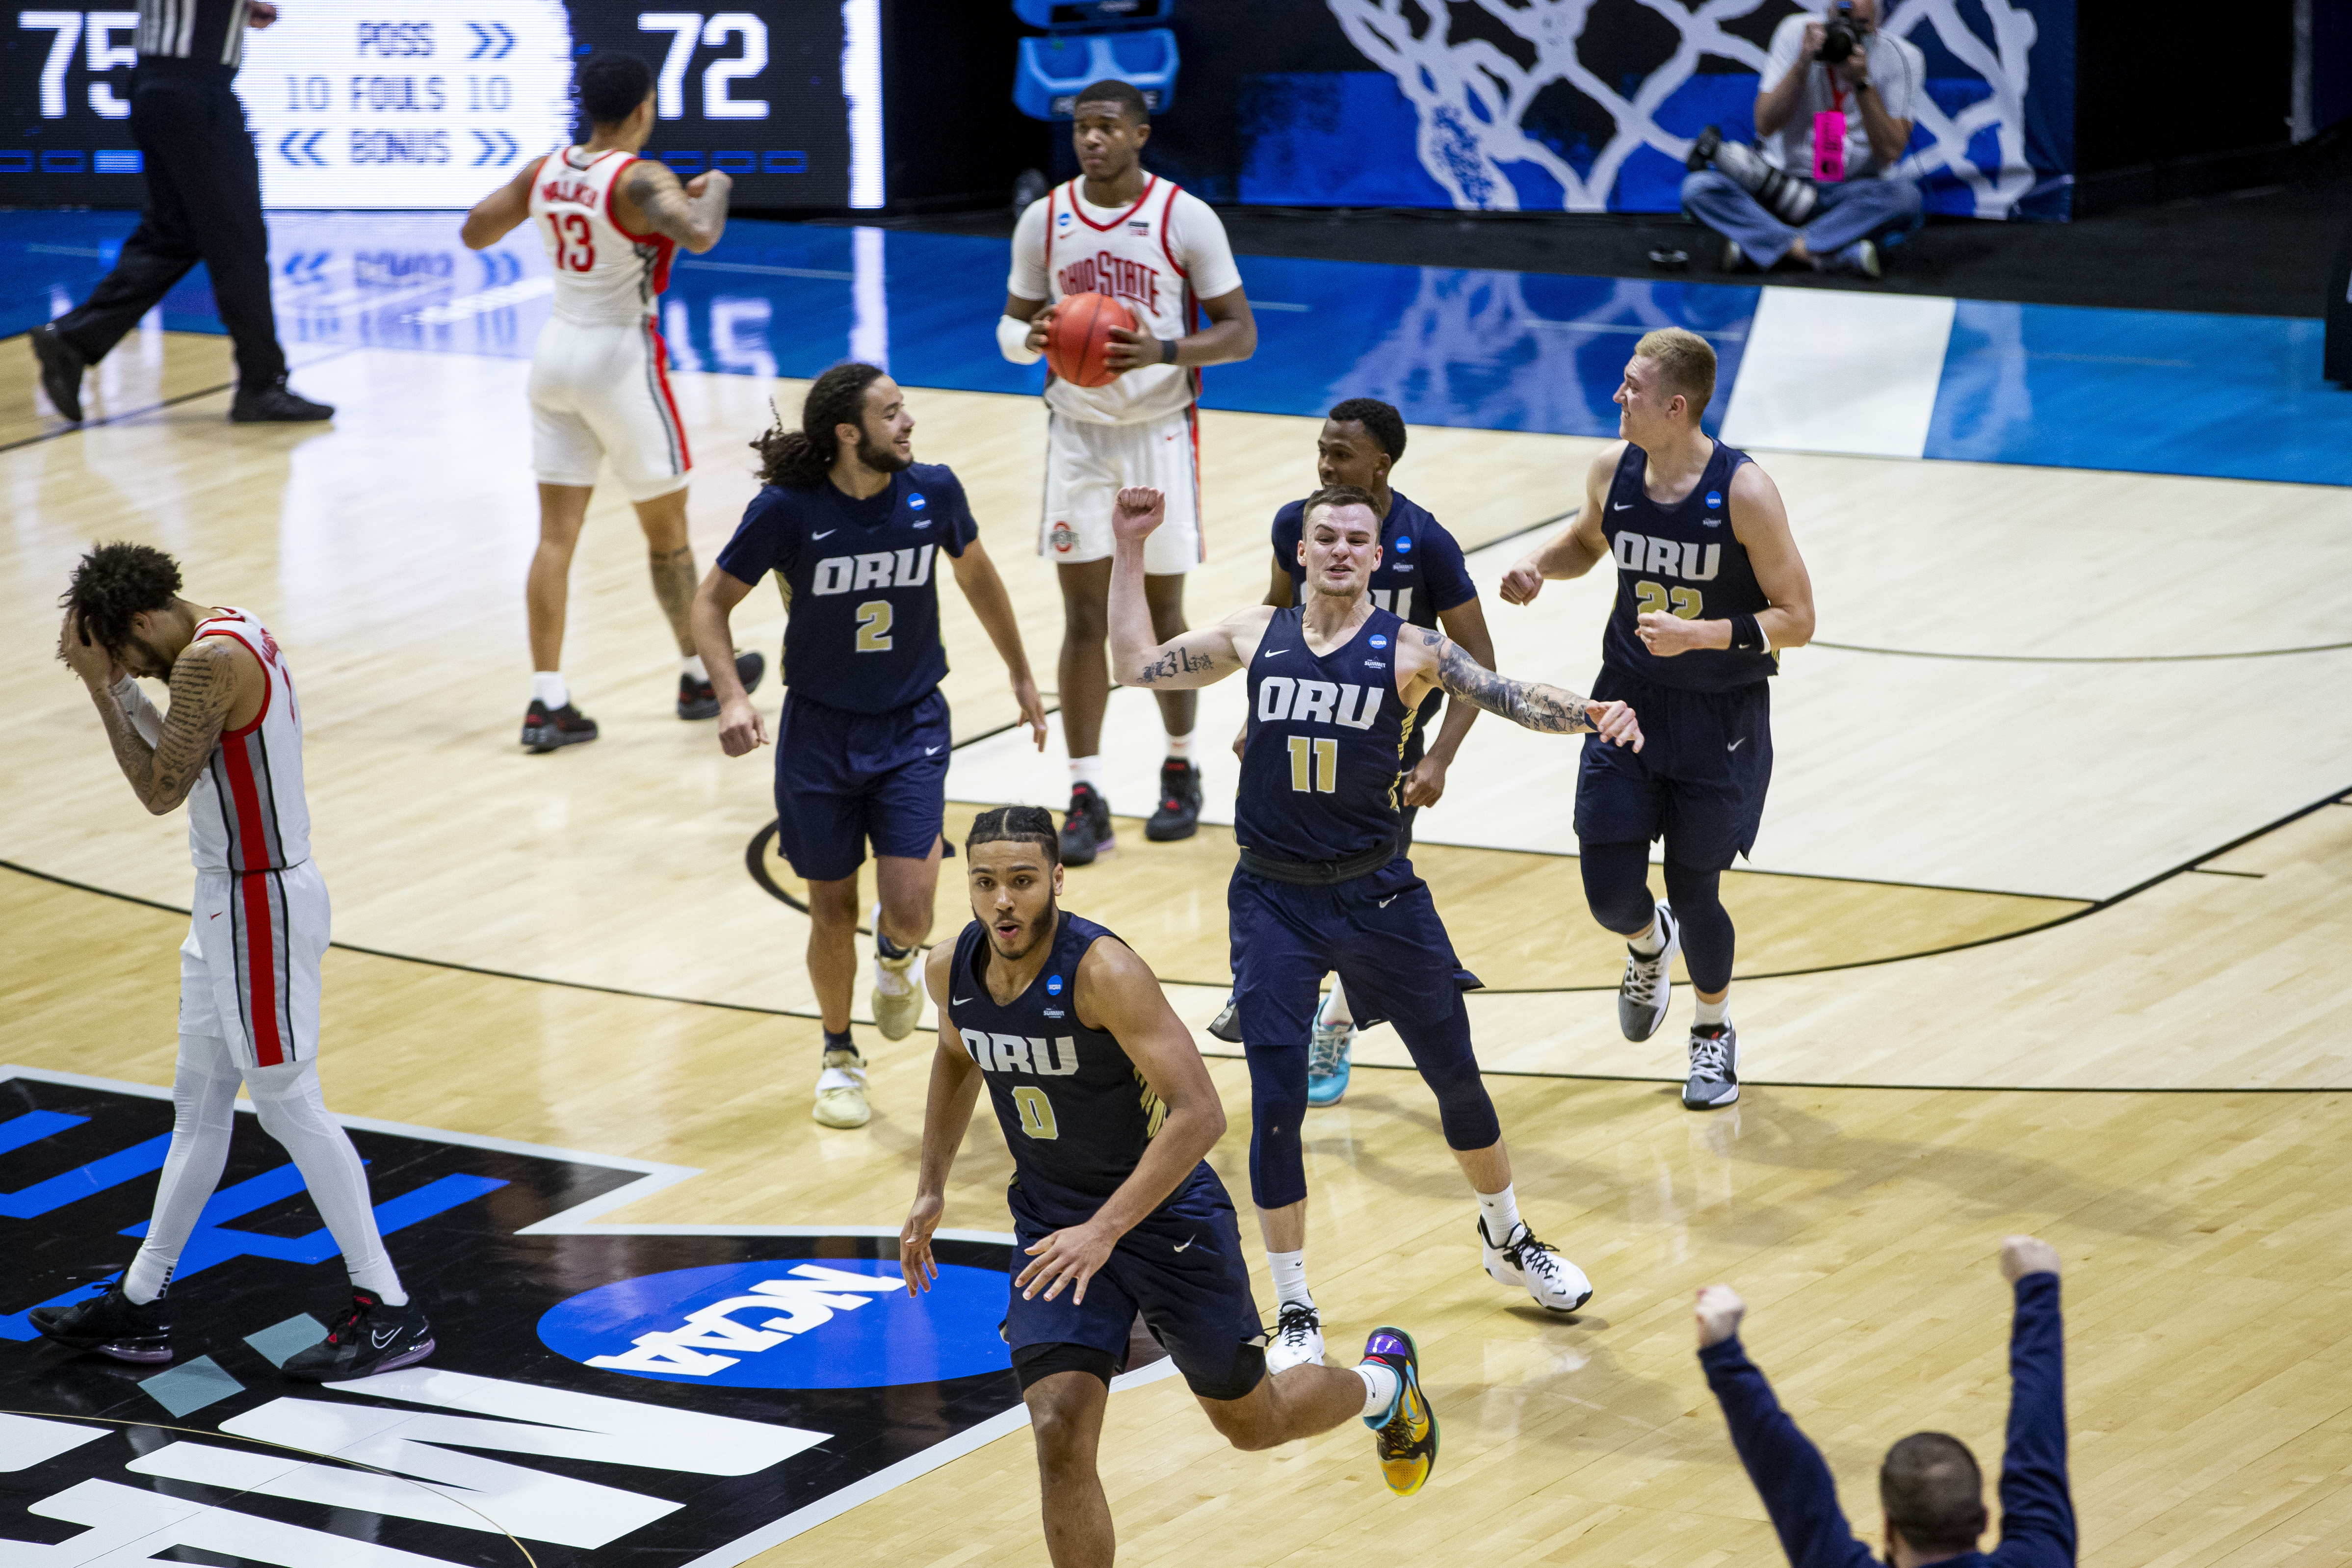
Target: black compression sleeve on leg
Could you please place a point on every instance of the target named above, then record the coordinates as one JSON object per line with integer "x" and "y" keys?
{"x": 1706, "y": 924}
{"x": 1617, "y": 886}
{"x": 1465, "y": 1111}
{"x": 1034, "y": 1364}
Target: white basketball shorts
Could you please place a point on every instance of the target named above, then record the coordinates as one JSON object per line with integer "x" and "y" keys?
{"x": 249, "y": 969}
{"x": 601, "y": 394}
{"x": 1085, "y": 467}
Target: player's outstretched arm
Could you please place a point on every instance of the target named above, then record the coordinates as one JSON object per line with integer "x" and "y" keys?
{"x": 740, "y": 728}
{"x": 693, "y": 214}
{"x": 1138, "y": 657}
{"x": 1574, "y": 550}
{"x": 983, "y": 590}
{"x": 1465, "y": 625}
{"x": 1760, "y": 522}
{"x": 501, "y": 212}
{"x": 205, "y": 683}
{"x": 946, "y": 1116}
{"x": 1116, "y": 992}
{"x": 1435, "y": 660}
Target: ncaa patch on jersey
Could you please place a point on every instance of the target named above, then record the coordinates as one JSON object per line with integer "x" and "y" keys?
{"x": 1715, "y": 498}
{"x": 1053, "y": 986}
{"x": 1404, "y": 544}
{"x": 602, "y": 1396}
{"x": 915, "y": 501}
{"x": 1378, "y": 640}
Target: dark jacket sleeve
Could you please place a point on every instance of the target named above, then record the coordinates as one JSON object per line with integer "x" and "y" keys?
{"x": 1787, "y": 1471}
{"x": 2037, "y": 1512}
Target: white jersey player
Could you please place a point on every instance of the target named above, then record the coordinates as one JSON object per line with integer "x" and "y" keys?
{"x": 1136, "y": 238}
{"x": 231, "y": 749}
{"x": 610, "y": 222}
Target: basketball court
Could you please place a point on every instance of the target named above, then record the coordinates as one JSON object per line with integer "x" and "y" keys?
{"x": 2085, "y": 581}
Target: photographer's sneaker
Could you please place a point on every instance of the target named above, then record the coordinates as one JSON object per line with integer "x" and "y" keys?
{"x": 1327, "y": 1062}
{"x": 547, "y": 729}
{"x": 1086, "y": 831}
{"x": 1227, "y": 1024}
{"x": 1714, "y": 1080}
{"x": 699, "y": 699}
{"x": 1734, "y": 259}
{"x": 1404, "y": 1435}
{"x": 841, "y": 1091}
{"x": 1648, "y": 988}
{"x": 898, "y": 997}
{"x": 113, "y": 1325}
{"x": 1297, "y": 1338}
{"x": 1859, "y": 259}
{"x": 1522, "y": 1260}
{"x": 1178, "y": 816}
{"x": 369, "y": 1337}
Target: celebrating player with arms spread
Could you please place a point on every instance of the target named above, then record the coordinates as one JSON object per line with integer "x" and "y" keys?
{"x": 1107, "y": 1109}
{"x": 1335, "y": 685}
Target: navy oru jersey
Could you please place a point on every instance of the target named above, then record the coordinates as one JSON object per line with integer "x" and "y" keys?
{"x": 1323, "y": 766}
{"x": 1684, "y": 559}
{"x": 1075, "y": 1112}
{"x": 858, "y": 582}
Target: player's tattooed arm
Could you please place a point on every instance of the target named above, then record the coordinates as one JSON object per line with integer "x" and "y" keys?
{"x": 204, "y": 689}
{"x": 693, "y": 214}
{"x": 1177, "y": 659}
{"x": 1530, "y": 704}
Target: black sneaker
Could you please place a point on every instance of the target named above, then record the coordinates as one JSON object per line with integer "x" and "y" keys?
{"x": 1714, "y": 1080}
{"x": 113, "y": 1325}
{"x": 1227, "y": 1024}
{"x": 277, "y": 405}
{"x": 1086, "y": 832}
{"x": 1178, "y": 816}
{"x": 566, "y": 726}
{"x": 61, "y": 368}
{"x": 369, "y": 1338}
{"x": 699, "y": 699}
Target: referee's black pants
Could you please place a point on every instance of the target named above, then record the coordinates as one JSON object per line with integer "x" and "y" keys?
{"x": 204, "y": 204}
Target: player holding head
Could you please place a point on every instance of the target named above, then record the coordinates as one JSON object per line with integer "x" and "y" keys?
{"x": 1162, "y": 253}
{"x": 1107, "y": 1109}
{"x": 1702, "y": 610}
{"x": 1423, "y": 579}
{"x": 1335, "y": 686}
{"x": 599, "y": 378}
{"x": 231, "y": 747}
{"x": 852, "y": 526}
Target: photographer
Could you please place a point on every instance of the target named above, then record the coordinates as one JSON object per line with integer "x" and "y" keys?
{"x": 1838, "y": 111}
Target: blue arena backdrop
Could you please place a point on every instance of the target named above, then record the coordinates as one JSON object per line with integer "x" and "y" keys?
{"x": 1580, "y": 105}
{"x": 357, "y": 104}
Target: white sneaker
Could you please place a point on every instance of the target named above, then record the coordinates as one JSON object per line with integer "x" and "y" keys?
{"x": 841, "y": 1091}
{"x": 1551, "y": 1279}
{"x": 1644, "y": 995}
{"x": 897, "y": 996}
{"x": 1297, "y": 1338}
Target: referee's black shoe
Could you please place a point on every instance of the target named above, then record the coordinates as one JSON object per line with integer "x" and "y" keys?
{"x": 61, "y": 368}
{"x": 113, "y": 1325}
{"x": 1085, "y": 830}
{"x": 369, "y": 1336}
{"x": 1178, "y": 816}
{"x": 278, "y": 403}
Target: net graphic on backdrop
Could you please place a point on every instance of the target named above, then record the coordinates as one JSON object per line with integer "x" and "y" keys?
{"x": 1486, "y": 97}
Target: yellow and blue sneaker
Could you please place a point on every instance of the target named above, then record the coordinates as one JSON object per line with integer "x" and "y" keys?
{"x": 1404, "y": 1435}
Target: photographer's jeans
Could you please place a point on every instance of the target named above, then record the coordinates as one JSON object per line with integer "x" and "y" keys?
{"x": 1848, "y": 212}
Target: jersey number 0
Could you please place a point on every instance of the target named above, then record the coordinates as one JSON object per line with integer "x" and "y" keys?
{"x": 1036, "y": 1111}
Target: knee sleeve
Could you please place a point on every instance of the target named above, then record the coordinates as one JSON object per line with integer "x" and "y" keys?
{"x": 1697, "y": 900}
{"x": 1278, "y": 1122}
{"x": 1441, "y": 1051}
{"x": 1617, "y": 886}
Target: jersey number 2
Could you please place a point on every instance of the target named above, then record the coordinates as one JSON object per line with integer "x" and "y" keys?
{"x": 1036, "y": 1113}
{"x": 874, "y": 626}
{"x": 1314, "y": 765}
{"x": 1654, "y": 599}
{"x": 575, "y": 242}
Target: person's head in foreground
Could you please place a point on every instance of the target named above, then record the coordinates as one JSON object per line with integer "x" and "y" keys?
{"x": 125, "y": 598}
{"x": 1929, "y": 1486}
{"x": 1012, "y": 864}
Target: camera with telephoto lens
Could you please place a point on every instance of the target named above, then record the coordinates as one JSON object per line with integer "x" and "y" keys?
{"x": 1840, "y": 36}
{"x": 1785, "y": 196}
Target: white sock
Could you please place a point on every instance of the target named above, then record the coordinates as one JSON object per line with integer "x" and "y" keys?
{"x": 203, "y": 1112}
{"x": 547, "y": 686}
{"x": 1650, "y": 942}
{"x": 1713, "y": 1012}
{"x": 1290, "y": 1277}
{"x": 1381, "y": 1385}
{"x": 293, "y": 1112}
{"x": 1180, "y": 747}
{"x": 1086, "y": 771}
{"x": 692, "y": 665}
{"x": 1501, "y": 1212}
{"x": 1334, "y": 1007}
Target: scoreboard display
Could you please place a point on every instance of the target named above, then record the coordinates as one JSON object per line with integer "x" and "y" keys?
{"x": 428, "y": 104}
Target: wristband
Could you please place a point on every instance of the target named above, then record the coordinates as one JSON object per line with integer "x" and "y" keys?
{"x": 1167, "y": 350}
{"x": 1747, "y": 637}
{"x": 1013, "y": 340}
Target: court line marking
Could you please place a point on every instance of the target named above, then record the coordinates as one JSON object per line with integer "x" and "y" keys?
{"x": 129, "y": 413}
{"x": 2083, "y": 658}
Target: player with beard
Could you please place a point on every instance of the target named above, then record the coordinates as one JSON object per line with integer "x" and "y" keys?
{"x": 1108, "y": 1109}
{"x": 851, "y": 526}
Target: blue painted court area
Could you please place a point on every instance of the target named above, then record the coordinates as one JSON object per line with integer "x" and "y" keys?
{"x": 2235, "y": 396}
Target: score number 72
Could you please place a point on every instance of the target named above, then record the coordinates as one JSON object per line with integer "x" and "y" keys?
{"x": 686, "y": 29}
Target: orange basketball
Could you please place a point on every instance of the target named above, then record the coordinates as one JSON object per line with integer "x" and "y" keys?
{"x": 1078, "y": 344}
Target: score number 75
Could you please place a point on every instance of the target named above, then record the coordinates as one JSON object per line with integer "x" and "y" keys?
{"x": 687, "y": 28}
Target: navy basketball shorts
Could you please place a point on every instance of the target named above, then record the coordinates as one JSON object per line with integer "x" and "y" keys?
{"x": 1698, "y": 780}
{"x": 844, "y": 779}
{"x": 1181, "y": 1269}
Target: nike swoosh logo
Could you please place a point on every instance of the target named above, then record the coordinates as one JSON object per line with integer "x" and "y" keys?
{"x": 382, "y": 1338}
{"x": 1736, "y": 744}
{"x": 214, "y": 916}
{"x": 1621, "y": 506}
{"x": 1272, "y": 652}
{"x": 1188, "y": 1241}
{"x": 829, "y": 533}
{"x": 930, "y": 751}
{"x": 1384, "y": 903}
{"x": 957, "y": 1001}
